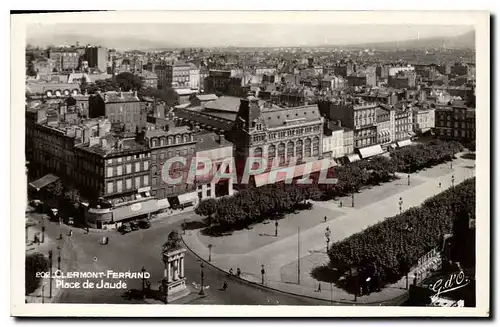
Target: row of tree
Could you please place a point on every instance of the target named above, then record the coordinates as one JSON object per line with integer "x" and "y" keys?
{"x": 396, "y": 244}
{"x": 413, "y": 158}
{"x": 254, "y": 205}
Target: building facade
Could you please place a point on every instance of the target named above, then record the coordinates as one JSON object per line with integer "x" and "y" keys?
{"x": 97, "y": 57}
{"x": 423, "y": 119}
{"x": 455, "y": 122}
{"x": 118, "y": 107}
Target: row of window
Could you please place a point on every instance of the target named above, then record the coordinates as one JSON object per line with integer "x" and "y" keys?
{"x": 358, "y": 114}
{"x": 448, "y": 132}
{"x": 292, "y": 149}
{"x": 127, "y": 158}
{"x": 118, "y": 170}
{"x": 171, "y": 154}
{"x": 362, "y": 122}
{"x": 456, "y": 124}
{"x": 171, "y": 140}
{"x": 118, "y": 185}
{"x": 365, "y": 142}
{"x": 294, "y": 132}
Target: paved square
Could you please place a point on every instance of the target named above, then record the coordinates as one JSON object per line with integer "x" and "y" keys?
{"x": 262, "y": 234}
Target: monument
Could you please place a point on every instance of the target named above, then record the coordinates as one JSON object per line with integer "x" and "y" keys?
{"x": 174, "y": 282}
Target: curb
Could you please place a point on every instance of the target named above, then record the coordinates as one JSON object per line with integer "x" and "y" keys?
{"x": 400, "y": 299}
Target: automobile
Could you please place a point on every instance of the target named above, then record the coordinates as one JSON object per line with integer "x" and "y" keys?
{"x": 53, "y": 213}
{"x": 71, "y": 221}
{"x": 124, "y": 229}
{"x": 144, "y": 224}
{"x": 133, "y": 226}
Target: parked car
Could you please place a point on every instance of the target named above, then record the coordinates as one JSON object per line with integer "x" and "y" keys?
{"x": 133, "y": 226}
{"x": 144, "y": 224}
{"x": 124, "y": 229}
{"x": 71, "y": 221}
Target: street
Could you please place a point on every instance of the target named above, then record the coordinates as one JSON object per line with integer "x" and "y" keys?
{"x": 140, "y": 248}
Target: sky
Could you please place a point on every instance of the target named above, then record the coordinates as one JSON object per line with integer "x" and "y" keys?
{"x": 137, "y": 36}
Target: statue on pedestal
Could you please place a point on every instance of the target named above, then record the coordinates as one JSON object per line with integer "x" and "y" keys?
{"x": 174, "y": 282}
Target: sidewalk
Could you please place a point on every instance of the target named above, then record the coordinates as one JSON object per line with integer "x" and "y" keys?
{"x": 50, "y": 243}
{"x": 280, "y": 257}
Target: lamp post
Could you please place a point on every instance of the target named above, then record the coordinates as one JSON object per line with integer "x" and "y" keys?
{"x": 451, "y": 161}
{"x": 43, "y": 293}
{"x": 143, "y": 270}
{"x": 276, "y": 224}
{"x": 352, "y": 197}
{"x": 202, "y": 292}
{"x": 58, "y": 257}
{"x": 400, "y": 205}
{"x": 43, "y": 233}
{"x": 50, "y": 273}
{"x": 408, "y": 179}
{"x": 327, "y": 235}
{"x": 453, "y": 180}
{"x": 209, "y": 252}
{"x": 262, "y": 272}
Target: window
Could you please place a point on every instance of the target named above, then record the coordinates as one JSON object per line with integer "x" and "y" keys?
{"x": 137, "y": 166}
{"x": 307, "y": 150}
{"x": 162, "y": 155}
{"x": 119, "y": 170}
{"x": 128, "y": 183}
{"x": 154, "y": 157}
{"x": 281, "y": 152}
{"x": 271, "y": 152}
{"x": 129, "y": 158}
{"x": 137, "y": 182}
{"x": 128, "y": 169}
{"x": 119, "y": 186}
{"x": 119, "y": 160}
{"x": 110, "y": 187}
{"x": 146, "y": 165}
{"x": 109, "y": 172}
{"x": 146, "y": 180}
{"x": 154, "y": 180}
{"x": 110, "y": 161}
{"x": 289, "y": 150}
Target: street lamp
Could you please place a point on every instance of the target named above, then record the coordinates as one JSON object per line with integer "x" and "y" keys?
{"x": 202, "y": 292}
{"x": 58, "y": 257}
{"x": 453, "y": 180}
{"x": 43, "y": 233}
{"x": 262, "y": 272}
{"x": 209, "y": 252}
{"x": 451, "y": 161}
{"x": 50, "y": 273}
{"x": 276, "y": 224}
{"x": 143, "y": 270}
{"x": 400, "y": 205}
{"x": 327, "y": 235}
{"x": 352, "y": 197}
{"x": 408, "y": 179}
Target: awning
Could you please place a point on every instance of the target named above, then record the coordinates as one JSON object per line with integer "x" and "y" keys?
{"x": 135, "y": 209}
{"x": 188, "y": 197}
{"x": 44, "y": 181}
{"x": 404, "y": 143}
{"x": 280, "y": 175}
{"x": 163, "y": 203}
{"x": 353, "y": 157}
{"x": 371, "y": 151}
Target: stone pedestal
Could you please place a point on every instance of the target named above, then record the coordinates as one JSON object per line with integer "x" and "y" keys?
{"x": 174, "y": 281}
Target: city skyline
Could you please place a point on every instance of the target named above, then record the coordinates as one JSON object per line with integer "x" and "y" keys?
{"x": 128, "y": 36}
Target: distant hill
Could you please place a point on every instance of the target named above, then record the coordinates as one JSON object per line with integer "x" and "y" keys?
{"x": 464, "y": 41}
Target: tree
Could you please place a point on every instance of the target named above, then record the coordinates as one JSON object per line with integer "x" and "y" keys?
{"x": 30, "y": 71}
{"x": 35, "y": 262}
{"x": 55, "y": 189}
{"x": 471, "y": 146}
{"x": 167, "y": 95}
{"x": 207, "y": 208}
{"x": 128, "y": 81}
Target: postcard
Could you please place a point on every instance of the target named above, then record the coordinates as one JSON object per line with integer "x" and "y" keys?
{"x": 283, "y": 163}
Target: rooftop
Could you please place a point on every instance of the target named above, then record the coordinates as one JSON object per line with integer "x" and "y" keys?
{"x": 208, "y": 141}
{"x": 114, "y": 97}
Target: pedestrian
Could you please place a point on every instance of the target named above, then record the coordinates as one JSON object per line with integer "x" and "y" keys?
{"x": 319, "y": 288}
{"x": 325, "y": 219}
{"x": 224, "y": 286}
{"x": 439, "y": 184}
{"x": 238, "y": 272}
{"x": 87, "y": 229}
{"x": 70, "y": 232}
{"x": 231, "y": 271}
{"x": 341, "y": 203}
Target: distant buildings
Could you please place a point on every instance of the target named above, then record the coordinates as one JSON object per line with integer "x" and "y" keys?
{"x": 456, "y": 122}
{"x": 64, "y": 58}
{"x": 97, "y": 57}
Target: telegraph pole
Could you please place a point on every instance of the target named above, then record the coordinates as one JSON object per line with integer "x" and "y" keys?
{"x": 298, "y": 255}
{"x": 50, "y": 273}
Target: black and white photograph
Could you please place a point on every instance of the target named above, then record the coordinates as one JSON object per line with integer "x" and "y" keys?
{"x": 324, "y": 161}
